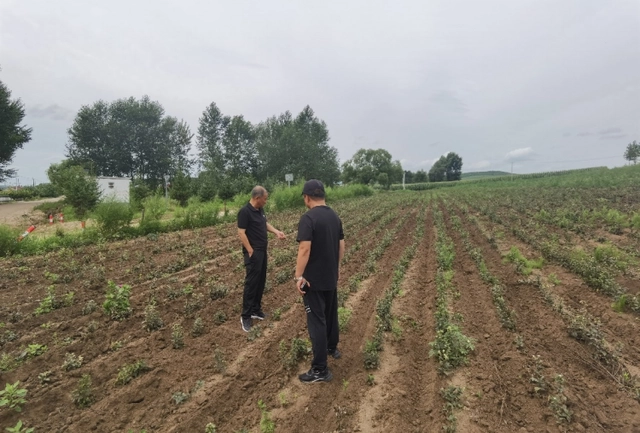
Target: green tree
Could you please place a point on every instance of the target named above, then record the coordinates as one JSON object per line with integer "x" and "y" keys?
{"x": 239, "y": 148}
{"x": 448, "y": 167}
{"x": 420, "y": 176}
{"x": 632, "y": 153}
{"x": 12, "y": 135}
{"x": 180, "y": 187}
{"x": 211, "y": 131}
{"x": 367, "y": 165}
{"x": 129, "y": 137}
{"x": 80, "y": 189}
{"x": 299, "y": 146}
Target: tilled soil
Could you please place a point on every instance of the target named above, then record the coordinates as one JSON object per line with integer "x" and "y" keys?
{"x": 220, "y": 376}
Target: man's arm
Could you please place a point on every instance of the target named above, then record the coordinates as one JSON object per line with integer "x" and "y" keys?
{"x": 242, "y": 234}
{"x": 275, "y": 231}
{"x": 340, "y": 255}
{"x": 304, "y": 249}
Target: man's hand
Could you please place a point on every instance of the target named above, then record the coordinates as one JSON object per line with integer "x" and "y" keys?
{"x": 302, "y": 284}
{"x": 280, "y": 234}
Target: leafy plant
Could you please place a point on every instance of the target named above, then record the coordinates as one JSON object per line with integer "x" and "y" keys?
{"x": 72, "y": 362}
{"x": 116, "y": 304}
{"x": 344, "y": 315}
{"x": 293, "y": 353}
{"x": 18, "y": 428}
{"x": 34, "y": 350}
{"x": 152, "y": 319}
{"x": 130, "y": 371}
{"x": 13, "y": 396}
{"x": 266, "y": 423}
{"x": 177, "y": 336}
{"x": 83, "y": 395}
{"x": 210, "y": 428}
{"x": 198, "y": 327}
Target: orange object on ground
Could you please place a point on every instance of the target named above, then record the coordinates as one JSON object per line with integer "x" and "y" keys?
{"x": 26, "y": 233}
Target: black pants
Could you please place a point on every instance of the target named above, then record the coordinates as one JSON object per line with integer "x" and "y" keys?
{"x": 322, "y": 321}
{"x": 254, "y": 281}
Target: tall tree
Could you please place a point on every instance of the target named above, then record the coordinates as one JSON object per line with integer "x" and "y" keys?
{"x": 299, "y": 146}
{"x": 239, "y": 148}
{"x": 448, "y": 167}
{"x": 80, "y": 189}
{"x": 209, "y": 139}
{"x": 420, "y": 176}
{"x": 367, "y": 165}
{"x": 12, "y": 135}
{"x": 632, "y": 153}
{"x": 129, "y": 137}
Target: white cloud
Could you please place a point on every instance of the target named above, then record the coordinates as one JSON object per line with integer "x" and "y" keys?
{"x": 522, "y": 154}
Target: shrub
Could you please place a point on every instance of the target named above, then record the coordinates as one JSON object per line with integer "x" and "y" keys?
{"x": 155, "y": 206}
{"x": 117, "y": 304}
{"x": 112, "y": 216}
{"x": 8, "y": 241}
{"x": 83, "y": 396}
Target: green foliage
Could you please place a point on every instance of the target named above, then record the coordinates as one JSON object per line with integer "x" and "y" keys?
{"x": 81, "y": 190}
{"x": 368, "y": 166}
{"x": 13, "y": 396}
{"x": 112, "y": 216}
{"x": 116, "y": 304}
{"x": 35, "y": 349}
{"x": 129, "y": 137}
{"x": 83, "y": 395}
{"x": 632, "y": 152}
{"x": 129, "y": 372}
{"x": 152, "y": 319}
{"x": 295, "y": 352}
{"x": 180, "y": 187}
{"x": 447, "y": 168}
{"x": 523, "y": 265}
{"x": 8, "y": 242}
{"x": 18, "y": 428}
{"x": 12, "y": 135}
{"x": 210, "y": 428}
{"x": 344, "y": 315}
{"x": 177, "y": 336}
{"x": 155, "y": 206}
{"x": 266, "y": 423}
{"x": 72, "y": 362}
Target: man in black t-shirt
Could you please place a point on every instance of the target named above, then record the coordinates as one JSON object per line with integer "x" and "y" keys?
{"x": 320, "y": 250}
{"x": 252, "y": 230}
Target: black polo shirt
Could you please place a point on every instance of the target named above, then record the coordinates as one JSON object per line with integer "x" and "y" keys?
{"x": 322, "y": 226}
{"x": 254, "y": 221}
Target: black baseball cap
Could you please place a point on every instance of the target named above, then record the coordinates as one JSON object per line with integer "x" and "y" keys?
{"x": 313, "y": 188}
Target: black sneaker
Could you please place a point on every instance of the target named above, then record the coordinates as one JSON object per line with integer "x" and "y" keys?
{"x": 259, "y": 315}
{"x": 335, "y": 353}
{"x": 314, "y": 375}
{"x": 246, "y": 324}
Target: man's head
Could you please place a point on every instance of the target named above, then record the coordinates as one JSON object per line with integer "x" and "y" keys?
{"x": 313, "y": 190}
{"x": 259, "y": 196}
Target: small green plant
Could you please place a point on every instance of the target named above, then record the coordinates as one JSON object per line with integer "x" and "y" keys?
{"x": 371, "y": 380}
{"x": 177, "y": 336}
{"x": 18, "y": 428}
{"x": 558, "y": 401}
{"x": 371, "y": 354}
{"x": 519, "y": 342}
{"x": 72, "y": 362}
{"x": 523, "y": 265}
{"x": 67, "y": 300}
{"x": 254, "y": 333}
{"x": 553, "y": 279}
{"x": 344, "y": 315}
{"x": 83, "y": 396}
{"x": 219, "y": 363}
{"x": 198, "y": 327}
{"x": 210, "y": 428}
{"x": 218, "y": 291}
{"x": 152, "y": 319}
{"x": 620, "y": 304}
{"x": 13, "y": 396}
{"x": 49, "y": 303}
{"x": 7, "y": 362}
{"x": 451, "y": 396}
{"x": 291, "y": 354}
{"x": 266, "y": 423}
{"x": 116, "y": 345}
{"x": 116, "y": 304}
{"x": 219, "y": 317}
{"x": 90, "y": 307}
{"x": 284, "y": 401}
{"x": 187, "y": 290}
{"x": 537, "y": 378}
{"x": 345, "y": 384}
{"x": 45, "y": 377}
{"x": 179, "y": 397}
{"x": 34, "y": 350}
{"x": 130, "y": 371}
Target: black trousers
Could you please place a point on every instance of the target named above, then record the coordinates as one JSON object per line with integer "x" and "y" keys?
{"x": 322, "y": 321}
{"x": 254, "y": 281}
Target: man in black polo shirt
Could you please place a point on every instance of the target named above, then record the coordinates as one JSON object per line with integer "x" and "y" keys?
{"x": 252, "y": 230}
{"x": 320, "y": 250}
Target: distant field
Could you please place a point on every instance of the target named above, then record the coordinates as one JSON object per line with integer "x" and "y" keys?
{"x": 481, "y": 174}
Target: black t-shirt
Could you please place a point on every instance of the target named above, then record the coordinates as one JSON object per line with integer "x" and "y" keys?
{"x": 254, "y": 221}
{"x": 322, "y": 226}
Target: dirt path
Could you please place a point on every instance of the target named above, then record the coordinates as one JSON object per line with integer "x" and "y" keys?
{"x": 21, "y": 213}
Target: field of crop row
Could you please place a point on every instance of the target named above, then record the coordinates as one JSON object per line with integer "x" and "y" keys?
{"x": 467, "y": 310}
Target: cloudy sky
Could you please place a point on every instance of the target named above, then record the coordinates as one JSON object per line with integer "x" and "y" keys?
{"x": 545, "y": 85}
